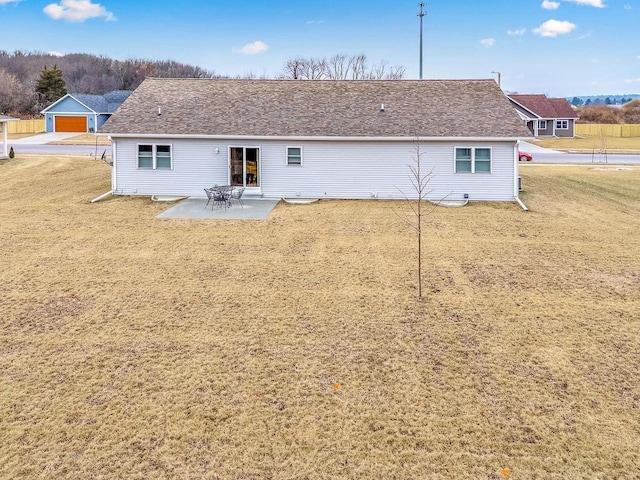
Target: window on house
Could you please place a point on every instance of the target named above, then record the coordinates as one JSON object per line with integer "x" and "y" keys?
{"x": 483, "y": 160}
{"x": 154, "y": 156}
{"x": 163, "y": 156}
{"x": 145, "y": 156}
{"x": 473, "y": 160}
{"x": 562, "y": 124}
{"x": 542, "y": 124}
{"x": 463, "y": 160}
{"x": 294, "y": 155}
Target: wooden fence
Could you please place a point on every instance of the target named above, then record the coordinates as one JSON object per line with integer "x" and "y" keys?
{"x": 26, "y": 126}
{"x": 593, "y": 129}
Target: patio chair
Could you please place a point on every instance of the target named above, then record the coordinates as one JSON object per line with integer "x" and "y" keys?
{"x": 236, "y": 196}
{"x": 211, "y": 194}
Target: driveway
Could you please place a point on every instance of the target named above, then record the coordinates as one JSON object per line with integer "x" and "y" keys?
{"x": 42, "y": 138}
{"x": 38, "y": 144}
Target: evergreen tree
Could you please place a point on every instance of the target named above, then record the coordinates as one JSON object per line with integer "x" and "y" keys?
{"x": 576, "y": 101}
{"x": 50, "y": 86}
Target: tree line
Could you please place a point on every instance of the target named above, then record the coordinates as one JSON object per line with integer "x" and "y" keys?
{"x": 23, "y": 86}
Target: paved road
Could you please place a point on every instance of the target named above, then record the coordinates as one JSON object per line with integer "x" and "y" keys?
{"x": 61, "y": 149}
{"x": 545, "y": 155}
{"x": 560, "y": 157}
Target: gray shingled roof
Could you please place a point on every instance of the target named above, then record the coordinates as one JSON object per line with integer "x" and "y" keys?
{"x": 292, "y": 108}
{"x": 107, "y": 103}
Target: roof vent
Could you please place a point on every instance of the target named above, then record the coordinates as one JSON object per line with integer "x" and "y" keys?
{"x": 159, "y": 111}
{"x": 382, "y": 107}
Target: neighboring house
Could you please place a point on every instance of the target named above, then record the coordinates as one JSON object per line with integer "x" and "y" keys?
{"x": 76, "y": 112}
{"x": 546, "y": 116}
{"x": 326, "y": 139}
{"x": 4, "y": 153}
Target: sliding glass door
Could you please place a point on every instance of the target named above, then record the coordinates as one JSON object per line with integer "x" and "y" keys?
{"x": 244, "y": 167}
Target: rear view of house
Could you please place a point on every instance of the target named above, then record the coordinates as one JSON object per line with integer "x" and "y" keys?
{"x": 327, "y": 139}
{"x": 546, "y": 116}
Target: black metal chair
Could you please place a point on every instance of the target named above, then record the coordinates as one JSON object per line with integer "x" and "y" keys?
{"x": 211, "y": 195}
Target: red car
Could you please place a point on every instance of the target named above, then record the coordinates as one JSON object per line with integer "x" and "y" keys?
{"x": 524, "y": 157}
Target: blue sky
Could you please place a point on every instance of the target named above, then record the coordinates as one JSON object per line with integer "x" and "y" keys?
{"x": 557, "y": 47}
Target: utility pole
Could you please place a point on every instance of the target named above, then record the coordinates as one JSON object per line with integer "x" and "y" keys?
{"x": 421, "y": 14}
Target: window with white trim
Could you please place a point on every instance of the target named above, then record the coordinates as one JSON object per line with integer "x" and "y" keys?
{"x": 542, "y": 124}
{"x": 562, "y": 124}
{"x": 294, "y": 155}
{"x": 156, "y": 157}
{"x": 473, "y": 160}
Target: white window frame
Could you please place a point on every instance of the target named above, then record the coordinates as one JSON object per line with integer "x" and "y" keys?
{"x": 542, "y": 124}
{"x": 289, "y": 164}
{"x": 154, "y": 155}
{"x": 562, "y": 124}
{"x": 473, "y": 159}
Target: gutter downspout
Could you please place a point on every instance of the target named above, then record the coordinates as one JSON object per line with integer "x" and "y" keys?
{"x": 113, "y": 163}
{"x": 104, "y": 195}
{"x": 516, "y": 170}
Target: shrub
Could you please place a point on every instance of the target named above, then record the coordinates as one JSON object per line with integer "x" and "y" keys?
{"x": 11, "y": 153}
{"x": 631, "y": 112}
{"x": 600, "y": 114}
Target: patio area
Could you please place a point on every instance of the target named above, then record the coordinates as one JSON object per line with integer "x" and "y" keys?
{"x": 254, "y": 209}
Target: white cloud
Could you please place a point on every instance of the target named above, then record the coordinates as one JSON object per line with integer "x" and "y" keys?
{"x": 253, "y": 48}
{"x": 553, "y": 28}
{"x": 77, "y": 11}
{"x": 628, "y": 7}
{"x": 521, "y": 31}
{"x": 56, "y": 54}
{"x": 4, "y": 2}
{"x": 315, "y": 22}
{"x": 632, "y": 80}
{"x": 487, "y": 42}
{"x": 549, "y": 5}
{"x": 591, "y": 3}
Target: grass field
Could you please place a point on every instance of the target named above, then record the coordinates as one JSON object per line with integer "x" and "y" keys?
{"x": 294, "y": 348}
{"x": 591, "y": 143}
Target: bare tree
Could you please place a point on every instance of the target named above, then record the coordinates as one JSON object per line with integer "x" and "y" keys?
{"x": 336, "y": 67}
{"x": 293, "y": 68}
{"x": 357, "y": 65}
{"x": 339, "y": 67}
{"x": 418, "y": 210}
{"x": 314, "y": 69}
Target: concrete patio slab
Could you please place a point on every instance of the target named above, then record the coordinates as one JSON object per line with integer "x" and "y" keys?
{"x": 254, "y": 209}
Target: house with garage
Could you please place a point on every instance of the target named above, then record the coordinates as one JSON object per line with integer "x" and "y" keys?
{"x": 82, "y": 113}
{"x": 316, "y": 139}
{"x": 545, "y": 116}
{"x": 4, "y": 152}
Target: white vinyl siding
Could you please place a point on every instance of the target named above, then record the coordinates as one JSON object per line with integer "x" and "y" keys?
{"x": 332, "y": 169}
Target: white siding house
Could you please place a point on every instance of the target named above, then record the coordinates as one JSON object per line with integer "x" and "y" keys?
{"x": 328, "y": 139}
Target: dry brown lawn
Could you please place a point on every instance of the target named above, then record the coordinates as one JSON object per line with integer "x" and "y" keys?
{"x": 295, "y": 348}
{"x": 591, "y": 143}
